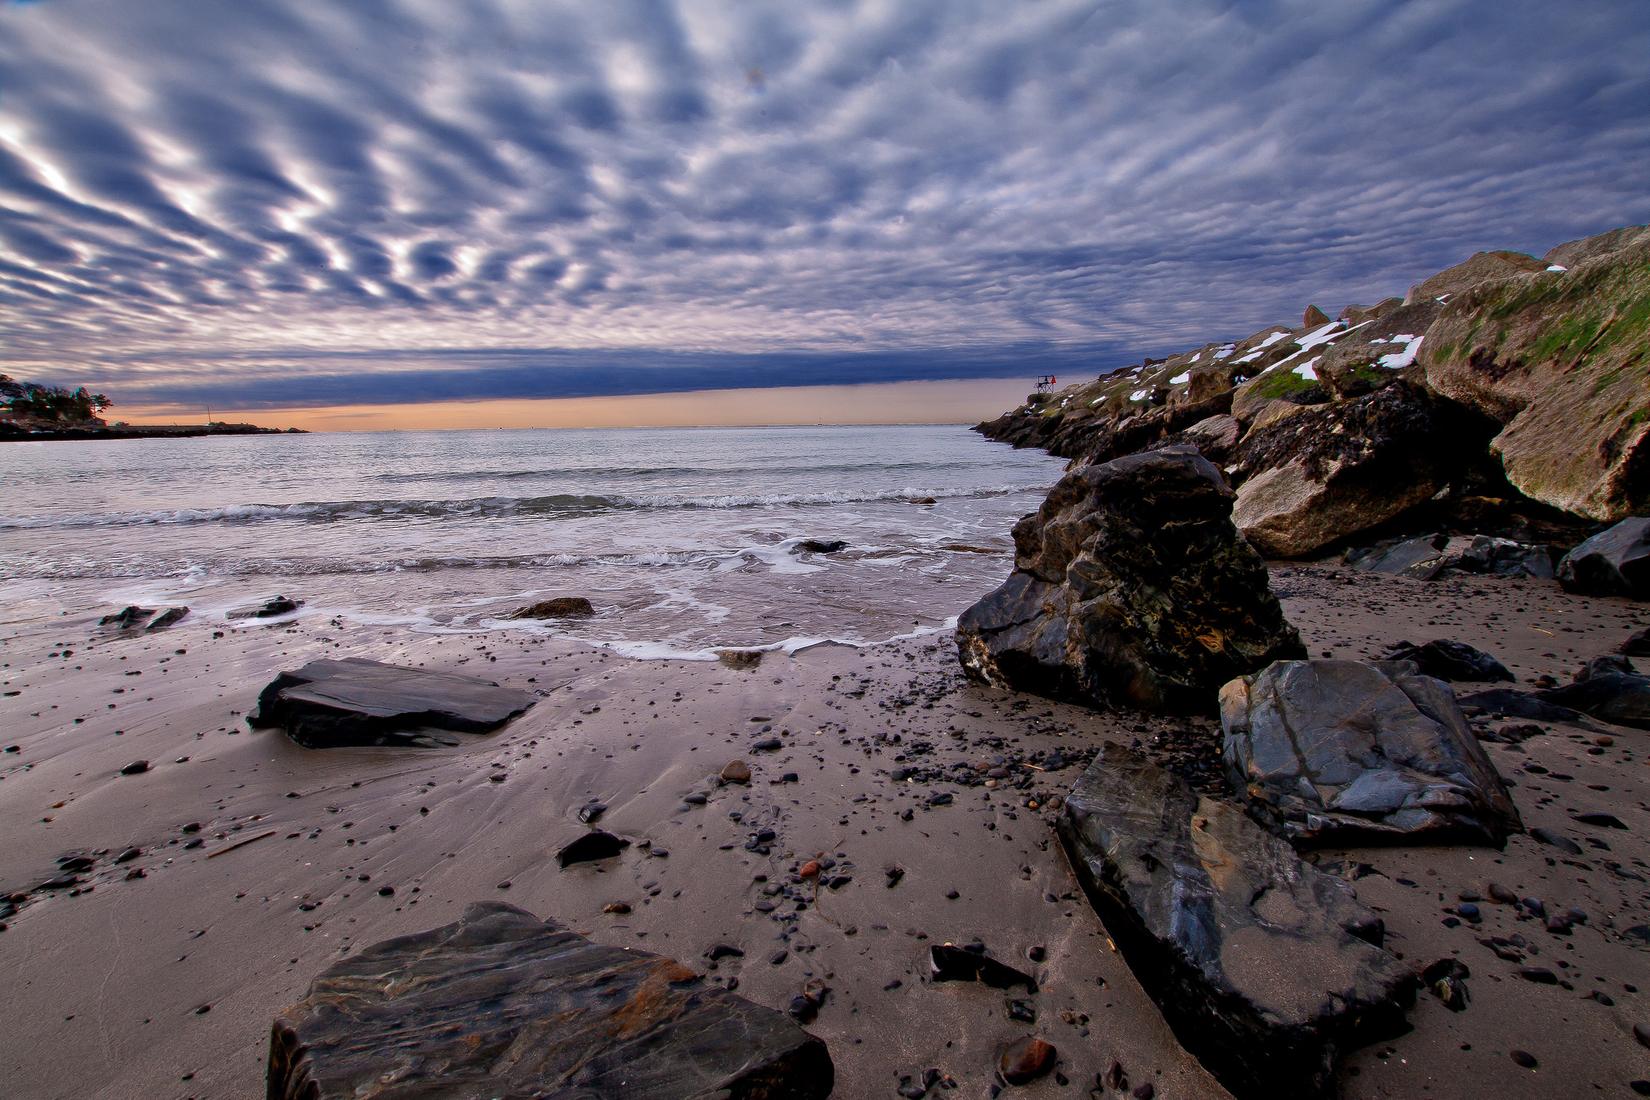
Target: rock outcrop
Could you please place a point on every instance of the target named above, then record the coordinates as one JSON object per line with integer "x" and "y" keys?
{"x": 1558, "y": 358}
{"x": 499, "y": 1003}
{"x": 1348, "y": 752}
{"x": 1547, "y": 358}
{"x": 1615, "y": 562}
{"x": 1266, "y": 968}
{"x": 1131, "y": 586}
{"x": 353, "y": 701}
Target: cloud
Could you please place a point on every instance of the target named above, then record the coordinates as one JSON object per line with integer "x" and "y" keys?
{"x": 284, "y": 203}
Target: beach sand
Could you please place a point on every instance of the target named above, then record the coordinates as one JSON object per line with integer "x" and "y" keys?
{"x": 263, "y": 862}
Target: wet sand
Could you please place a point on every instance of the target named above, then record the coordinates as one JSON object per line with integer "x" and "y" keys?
{"x": 165, "y": 985}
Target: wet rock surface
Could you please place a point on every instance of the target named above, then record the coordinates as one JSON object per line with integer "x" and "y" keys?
{"x": 353, "y": 701}
{"x": 1346, "y": 751}
{"x": 500, "y": 1003}
{"x": 269, "y": 609}
{"x": 1130, "y": 586}
{"x": 561, "y": 607}
{"x": 1267, "y": 969}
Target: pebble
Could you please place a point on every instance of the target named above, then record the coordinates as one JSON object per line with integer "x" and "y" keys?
{"x": 1026, "y": 1059}
{"x": 136, "y": 767}
{"x": 736, "y": 771}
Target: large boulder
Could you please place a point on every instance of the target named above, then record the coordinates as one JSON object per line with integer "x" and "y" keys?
{"x": 1331, "y": 471}
{"x": 1266, "y": 968}
{"x": 499, "y": 1003}
{"x": 1559, "y": 360}
{"x": 1130, "y": 586}
{"x": 359, "y": 702}
{"x": 1347, "y": 752}
{"x": 1611, "y": 563}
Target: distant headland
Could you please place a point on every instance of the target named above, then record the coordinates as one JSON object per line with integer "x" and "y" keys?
{"x": 32, "y": 412}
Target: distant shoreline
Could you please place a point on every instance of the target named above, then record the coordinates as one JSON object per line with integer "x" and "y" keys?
{"x": 12, "y": 434}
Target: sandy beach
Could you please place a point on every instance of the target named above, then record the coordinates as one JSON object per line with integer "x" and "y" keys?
{"x": 259, "y": 862}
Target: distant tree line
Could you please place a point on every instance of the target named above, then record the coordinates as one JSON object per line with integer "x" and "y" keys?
{"x": 51, "y": 402}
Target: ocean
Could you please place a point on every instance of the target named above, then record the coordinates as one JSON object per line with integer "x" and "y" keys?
{"x": 684, "y": 540}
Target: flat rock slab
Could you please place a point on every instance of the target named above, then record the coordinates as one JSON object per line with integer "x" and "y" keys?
{"x": 359, "y": 702}
{"x": 1263, "y": 966}
{"x": 1350, "y": 752}
{"x": 501, "y": 1004}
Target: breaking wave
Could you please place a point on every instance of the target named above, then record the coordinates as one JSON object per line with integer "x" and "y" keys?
{"x": 549, "y": 507}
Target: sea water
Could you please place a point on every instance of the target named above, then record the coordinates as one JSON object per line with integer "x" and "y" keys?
{"x": 684, "y": 540}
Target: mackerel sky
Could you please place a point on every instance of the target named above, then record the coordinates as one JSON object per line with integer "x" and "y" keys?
{"x": 288, "y": 202}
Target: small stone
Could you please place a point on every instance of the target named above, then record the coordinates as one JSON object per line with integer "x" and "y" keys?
{"x": 736, "y": 771}
{"x": 768, "y": 744}
{"x": 136, "y": 767}
{"x": 1524, "y": 1058}
{"x": 616, "y": 907}
{"x": 1026, "y": 1059}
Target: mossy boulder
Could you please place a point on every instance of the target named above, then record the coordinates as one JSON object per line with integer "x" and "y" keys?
{"x": 1561, "y": 361}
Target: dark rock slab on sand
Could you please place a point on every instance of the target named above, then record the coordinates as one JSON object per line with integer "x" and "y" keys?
{"x": 499, "y": 1003}
{"x": 1446, "y": 660}
{"x": 1608, "y": 688}
{"x": 1131, "y": 586}
{"x": 1344, "y": 751}
{"x": 1266, "y": 968}
{"x": 359, "y": 702}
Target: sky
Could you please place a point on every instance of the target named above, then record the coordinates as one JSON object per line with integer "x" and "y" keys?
{"x": 385, "y": 209}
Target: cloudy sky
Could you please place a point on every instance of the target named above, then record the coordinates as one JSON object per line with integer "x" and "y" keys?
{"x": 278, "y": 203}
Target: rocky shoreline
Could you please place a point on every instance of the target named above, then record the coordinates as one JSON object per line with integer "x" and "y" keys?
{"x": 1161, "y": 820}
{"x": 1510, "y": 421}
{"x": 1507, "y": 396}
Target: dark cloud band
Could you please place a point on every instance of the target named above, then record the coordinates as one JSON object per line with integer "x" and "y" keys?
{"x": 657, "y": 195}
